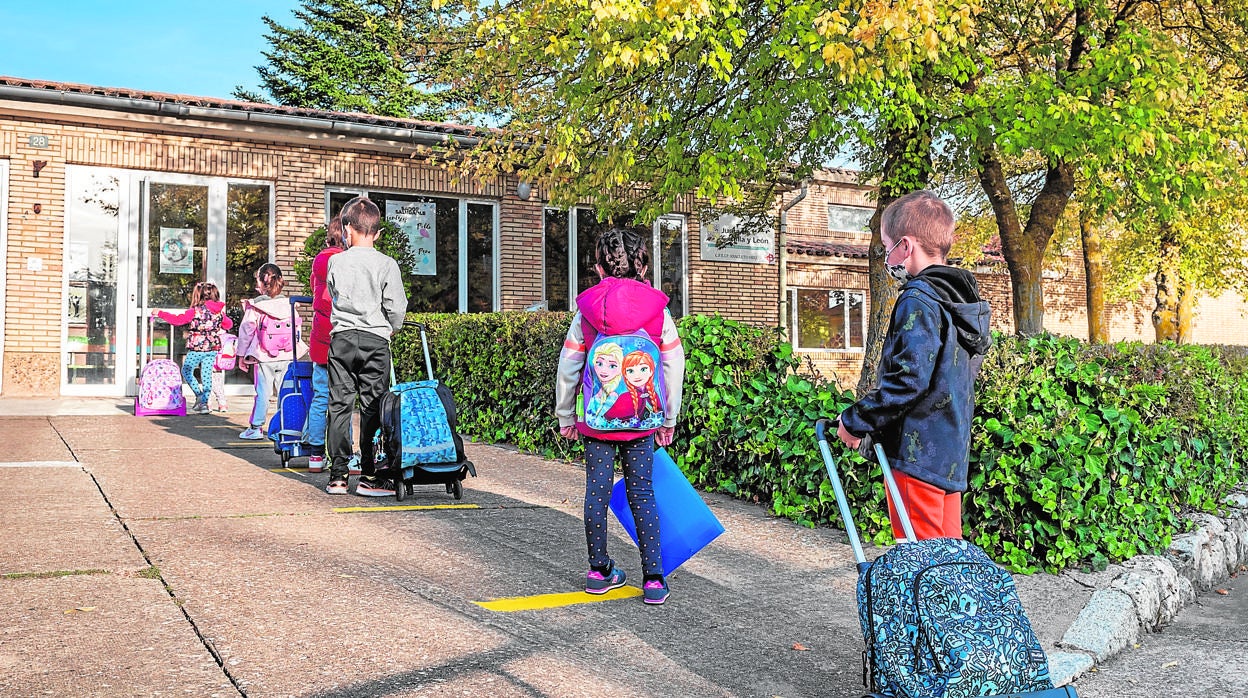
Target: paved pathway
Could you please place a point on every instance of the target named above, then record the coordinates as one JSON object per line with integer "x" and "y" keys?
{"x": 165, "y": 557}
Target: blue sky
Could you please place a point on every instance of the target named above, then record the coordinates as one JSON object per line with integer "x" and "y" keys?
{"x": 196, "y": 48}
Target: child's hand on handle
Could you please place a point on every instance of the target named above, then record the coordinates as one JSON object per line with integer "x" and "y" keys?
{"x": 847, "y": 438}
{"x": 245, "y": 362}
{"x": 664, "y": 436}
{"x": 570, "y": 433}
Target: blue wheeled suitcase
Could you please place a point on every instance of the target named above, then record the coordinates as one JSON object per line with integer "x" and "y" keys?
{"x": 417, "y": 443}
{"x": 294, "y": 399}
{"x": 939, "y": 618}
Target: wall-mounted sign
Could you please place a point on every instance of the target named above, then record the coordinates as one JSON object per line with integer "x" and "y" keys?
{"x": 751, "y": 247}
{"x": 38, "y": 140}
{"x": 176, "y": 248}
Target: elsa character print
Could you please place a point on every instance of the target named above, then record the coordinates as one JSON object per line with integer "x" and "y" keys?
{"x": 607, "y": 360}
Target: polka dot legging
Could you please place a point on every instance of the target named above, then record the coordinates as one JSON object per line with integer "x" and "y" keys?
{"x": 638, "y": 462}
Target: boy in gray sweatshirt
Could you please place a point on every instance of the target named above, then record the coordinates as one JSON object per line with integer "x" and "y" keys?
{"x": 369, "y": 301}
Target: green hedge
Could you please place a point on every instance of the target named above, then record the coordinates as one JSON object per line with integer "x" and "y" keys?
{"x": 1080, "y": 454}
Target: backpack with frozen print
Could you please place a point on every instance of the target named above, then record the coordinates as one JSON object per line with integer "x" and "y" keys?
{"x": 622, "y": 386}
{"x": 274, "y": 335}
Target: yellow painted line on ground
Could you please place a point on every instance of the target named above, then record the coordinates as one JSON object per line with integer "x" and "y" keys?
{"x": 403, "y": 507}
{"x": 540, "y": 601}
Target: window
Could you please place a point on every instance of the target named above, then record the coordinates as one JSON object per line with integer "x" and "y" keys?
{"x": 452, "y": 244}
{"x": 829, "y": 318}
{"x": 849, "y": 219}
{"x": 569, "y": 255}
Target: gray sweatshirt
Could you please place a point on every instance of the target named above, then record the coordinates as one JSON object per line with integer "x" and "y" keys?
{"x": 367, "y": 290}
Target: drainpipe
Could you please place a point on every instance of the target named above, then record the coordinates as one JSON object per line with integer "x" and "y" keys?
{"x": 784, "y": 259}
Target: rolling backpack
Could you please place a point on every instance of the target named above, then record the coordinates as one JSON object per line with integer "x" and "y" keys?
{"x": 160, "y": 387}
{"x": 939, "y": 618}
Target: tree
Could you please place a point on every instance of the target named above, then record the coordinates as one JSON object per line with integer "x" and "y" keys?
{"x": 1088, "y": 88}
{"x": 630, "y": 106}
{"x": 386, "y": 57}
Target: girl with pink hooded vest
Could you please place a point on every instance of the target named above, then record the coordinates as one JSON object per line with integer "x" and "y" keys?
{"x": 621, "y": 374}
{"x": 264, "y": 343}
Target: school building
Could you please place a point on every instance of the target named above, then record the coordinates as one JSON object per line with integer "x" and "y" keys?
{"x": 116, "y": 201}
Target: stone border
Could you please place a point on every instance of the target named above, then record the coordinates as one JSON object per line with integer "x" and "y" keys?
{"x": 1152, "y": 591}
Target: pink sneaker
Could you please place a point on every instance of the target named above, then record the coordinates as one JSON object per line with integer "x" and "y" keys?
{"x": 316, "y": 464}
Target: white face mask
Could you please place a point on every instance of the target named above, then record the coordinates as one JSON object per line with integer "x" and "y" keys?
{"x": 897, "y": 271}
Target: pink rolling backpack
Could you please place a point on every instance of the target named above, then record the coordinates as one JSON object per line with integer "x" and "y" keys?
{"x": 160, "y": 387}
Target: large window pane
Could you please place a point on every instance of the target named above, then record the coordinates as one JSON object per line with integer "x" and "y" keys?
{"x": 849, "y": 219}
{"x": 91, "y": 268}
{"x": 830, "y": 319}
{"x": 587, "y": 231}
{"x": 177, "y": 243}
{"x": 480, "y": 258}
{"x": 670, "y": 260}
{"x": 433, "y": 285}
{"x": 246, "y": 248}
{"x": 556, "y": 259}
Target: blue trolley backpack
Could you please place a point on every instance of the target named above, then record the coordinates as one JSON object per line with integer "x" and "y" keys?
{"x": 939, "y": 618}
{"x": 418, "y": 443}
{"x": 294, "y": 398}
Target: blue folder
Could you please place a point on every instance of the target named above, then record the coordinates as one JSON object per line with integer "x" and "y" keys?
{"x": 686, "y": 524}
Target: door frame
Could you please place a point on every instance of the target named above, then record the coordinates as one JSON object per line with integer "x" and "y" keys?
{"x": 132, "y": 270}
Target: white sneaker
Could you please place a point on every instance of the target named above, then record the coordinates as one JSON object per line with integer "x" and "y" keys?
{"x": 252, "y": 434}
{"x": 202, "y": 408}
{"x": 316, "y": 464}
{"x": 353, "y": 465}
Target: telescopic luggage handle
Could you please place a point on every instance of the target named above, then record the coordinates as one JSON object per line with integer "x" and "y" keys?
{"x": 294, "y": 326}
{"x": 424, "y": 342}
{"x": 842, "y": 503}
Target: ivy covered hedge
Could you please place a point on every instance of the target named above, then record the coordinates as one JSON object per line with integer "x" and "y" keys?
{"x": 1080, "y": 454}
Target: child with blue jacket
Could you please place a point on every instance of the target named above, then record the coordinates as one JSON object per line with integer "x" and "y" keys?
{"x": 921, "y": 412}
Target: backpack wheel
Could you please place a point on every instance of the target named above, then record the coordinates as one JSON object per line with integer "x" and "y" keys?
{"x": 458, "y": 488}
{"x": 450, "y": 488}
{"x": 400, "y": 489}
{"x": 285, "y": 457}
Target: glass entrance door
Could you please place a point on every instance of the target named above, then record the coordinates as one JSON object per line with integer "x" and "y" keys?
{"x": 140, "y": 241}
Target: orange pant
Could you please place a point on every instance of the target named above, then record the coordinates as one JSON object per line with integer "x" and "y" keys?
{"x": 934, "y": 513}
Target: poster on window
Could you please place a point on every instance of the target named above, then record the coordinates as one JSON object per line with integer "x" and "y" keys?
{"x": 176, "y": 246}
{"x": 724, "y": 241}
{"x": 418, "y": 220}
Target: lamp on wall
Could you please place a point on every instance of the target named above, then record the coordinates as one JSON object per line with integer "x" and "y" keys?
{"x": 524, "y": 190}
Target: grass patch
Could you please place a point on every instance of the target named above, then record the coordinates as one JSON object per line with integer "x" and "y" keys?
{"x": 50, "y": 575}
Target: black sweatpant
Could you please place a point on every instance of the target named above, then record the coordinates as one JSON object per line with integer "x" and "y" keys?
{"x": 359, "y": 366}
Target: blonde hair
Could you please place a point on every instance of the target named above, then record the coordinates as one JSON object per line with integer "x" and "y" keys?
{"x": 923, "y": 216}
{"x": 613, "y": 351}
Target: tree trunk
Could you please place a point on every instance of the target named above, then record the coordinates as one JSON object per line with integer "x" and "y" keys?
{"x": 1094, "y": 278}
{"x": 907, "y": 168}
{"x": 1169, "y": 292}
{"x": 1024, "y": 248}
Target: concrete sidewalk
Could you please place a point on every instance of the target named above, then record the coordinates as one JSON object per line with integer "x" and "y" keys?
{"x": 163, "y": 556}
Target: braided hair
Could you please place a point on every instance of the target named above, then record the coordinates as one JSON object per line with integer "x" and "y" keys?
{"x": 623, "y": 254}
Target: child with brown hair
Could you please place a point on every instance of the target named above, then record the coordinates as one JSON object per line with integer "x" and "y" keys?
{"x": 265, "y": 346}
{"x": 204, "y": 319}
{"x": 621, "y": 403}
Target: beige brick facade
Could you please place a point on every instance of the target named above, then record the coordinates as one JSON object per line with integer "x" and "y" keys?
{"x": 303, "y": 165}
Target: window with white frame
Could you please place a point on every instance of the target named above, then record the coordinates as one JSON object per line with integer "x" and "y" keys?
{"x": 454, "y": 242}
{"x": 828, "y": 318}
{"x": 569, "y": 237}
{"x": 849, "y": 219}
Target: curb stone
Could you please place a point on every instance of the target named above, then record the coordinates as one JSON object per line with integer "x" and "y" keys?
{"x": 1152, "y": 590}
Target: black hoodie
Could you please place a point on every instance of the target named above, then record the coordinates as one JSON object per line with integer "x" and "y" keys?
{"x": 921, "y": 413}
